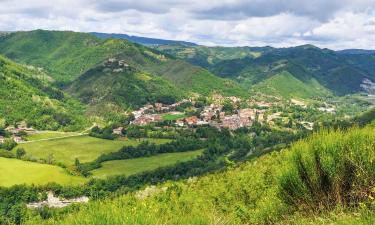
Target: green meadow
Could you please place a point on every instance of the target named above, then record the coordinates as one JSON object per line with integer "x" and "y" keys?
{"x": 133, "y": 166}
{"x": 49, "y": 134}
{"x": 85, "y": 148}
{"x": 22, "y": 172}
{"x": 173, "y": 116}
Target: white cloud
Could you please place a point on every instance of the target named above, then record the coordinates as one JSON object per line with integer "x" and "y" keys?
{"x": 334, "y": 24}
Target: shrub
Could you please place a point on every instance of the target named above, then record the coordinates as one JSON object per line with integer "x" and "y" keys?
{"x": 330, "y": 169}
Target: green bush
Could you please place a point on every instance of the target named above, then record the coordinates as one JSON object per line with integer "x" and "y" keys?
{"x": 330, "y": 169}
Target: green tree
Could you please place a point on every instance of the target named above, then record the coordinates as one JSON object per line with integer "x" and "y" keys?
{"x": 20, "y": 153}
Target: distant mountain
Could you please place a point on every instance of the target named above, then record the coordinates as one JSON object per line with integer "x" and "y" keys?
{"x": 26, "y": 95}
{"x": 76, "y": 61}
{"x": 142, "y": 40}
{"x": 356, "y": 52}
{"x": 301, "y": 68}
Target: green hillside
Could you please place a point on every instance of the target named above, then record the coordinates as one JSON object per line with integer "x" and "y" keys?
{"x": 22, "y": 172}
{"x": 67, "y": 55}
{"x": 340, "y": 73}
{"x": 288, "y": 86}
{"x": 25, "y": 95}
{"x": 325, "y": 179}
{"x": 110, "y": 88}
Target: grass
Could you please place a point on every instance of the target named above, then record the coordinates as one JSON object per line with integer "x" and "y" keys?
{"x": 133, "y": 166}
{"x": 286, "y": 85}
{"x": 48, "y": 134}
{"x": 85, "y": 148}
{"x": 277, "y": 188}
{"x": 173, "y": 116}
{"x": 15, "y": 171}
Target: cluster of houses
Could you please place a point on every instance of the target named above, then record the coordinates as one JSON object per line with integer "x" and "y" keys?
{"x": 15, "y": 131}
{"x": 210, "y": 115}
{"x": 151, "y": 113}
{"x": 118, "y": 65}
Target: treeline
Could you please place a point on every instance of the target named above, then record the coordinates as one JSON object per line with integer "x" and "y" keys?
{"x": 144, "y": 149}
{"x": 222, "y": 148}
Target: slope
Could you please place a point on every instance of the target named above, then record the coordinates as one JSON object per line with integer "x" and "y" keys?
{"x": 116, "y": 86}
{"x": 326, "y": 178}
{"x": 288, "y": 86}
{"x": 24, "y": 96}
{"x": 67, "y": 55}
{"x": 341, "y": 73}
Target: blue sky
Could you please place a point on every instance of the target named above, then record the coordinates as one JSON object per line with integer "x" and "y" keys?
{"x": 335, "y": 24}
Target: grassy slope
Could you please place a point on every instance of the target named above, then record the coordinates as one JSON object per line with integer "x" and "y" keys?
{"x": 66, "y": 150}
{"x": 273, "y": 189}
{"x": 104, "y": 89}
{"x": 66, "y": 55}
{"x": 15, "y": 171}
{"x": 286, "y": 85}
{"x": 133, "y": 166}
{"x": 24, "y": 97}
{"x": 49, "y": 134}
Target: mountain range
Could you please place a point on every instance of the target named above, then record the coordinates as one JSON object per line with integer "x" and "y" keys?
{"x": 110, "y": 75}
{"x": 307, "y": 69}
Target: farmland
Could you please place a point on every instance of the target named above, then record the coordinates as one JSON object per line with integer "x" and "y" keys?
{"x": 22, "y": 172}
{"x": 133, "y": 166}
{"x": 66, "y": 150}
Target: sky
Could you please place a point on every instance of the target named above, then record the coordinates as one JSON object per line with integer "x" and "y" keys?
{"x": 334, "y": 24}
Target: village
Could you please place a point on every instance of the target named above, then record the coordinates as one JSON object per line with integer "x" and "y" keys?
{"x": 214, "y": 114}
{"x": 188, "y": 114}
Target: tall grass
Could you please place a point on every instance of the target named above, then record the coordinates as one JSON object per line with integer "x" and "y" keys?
{"x": 330, "y": 169}
{"x": 328, "y": 174}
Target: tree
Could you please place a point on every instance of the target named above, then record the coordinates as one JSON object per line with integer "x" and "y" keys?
{"x": 20, "y": 153}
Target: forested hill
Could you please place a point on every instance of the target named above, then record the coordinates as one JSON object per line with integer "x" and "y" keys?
{"x": 26, "y": 95}
{"x": 308, "y": 67}
{"x": 67, "y": 55}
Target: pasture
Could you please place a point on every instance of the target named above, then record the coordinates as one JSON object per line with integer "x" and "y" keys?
{"x": 85, "y": 148}
{"x": 15, "y": 171}
{"x": 49, "y": 134}
{"x": 138, "y": 165}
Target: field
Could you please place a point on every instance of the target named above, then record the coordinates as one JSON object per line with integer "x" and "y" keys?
{"x": 133, "y": 166}
{"x": 15, "y": 171}
{"x": 48, "y": 134}
{"x": 85, "y": 148}
{"x": 173, "y": 116}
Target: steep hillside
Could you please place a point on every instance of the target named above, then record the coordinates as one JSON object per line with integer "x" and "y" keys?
{"x": 115, "y": 86}
{"x": 207, "y": 57}
{"x": 340, "y": 73}
{"x": 67, "y": 55}
{"x": 288, "y": 86}
{"x": 25, "y": 95}
{"x": 325, "y": 179}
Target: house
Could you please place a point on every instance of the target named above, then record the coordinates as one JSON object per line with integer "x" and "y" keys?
{"x": 2, "y": 139}
{"x": 17, "y": 139}
{"x": 191, "y": 120}
{"x": 118, "y": 131}
{"x": 179, "y": 123}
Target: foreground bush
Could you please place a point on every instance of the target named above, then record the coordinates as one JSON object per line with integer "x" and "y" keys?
{"x": 325, "y": 179}
{"x": 330, "y": 169}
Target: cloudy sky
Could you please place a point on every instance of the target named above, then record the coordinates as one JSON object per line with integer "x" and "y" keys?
{"x": 335, "y": 24}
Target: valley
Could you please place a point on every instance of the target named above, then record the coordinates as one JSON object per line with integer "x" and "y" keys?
{"x": 173, "y": 132}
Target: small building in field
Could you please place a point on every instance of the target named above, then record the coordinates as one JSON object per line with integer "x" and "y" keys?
{"x": 118, "y": 131}
{"x": 17, "y": 139}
